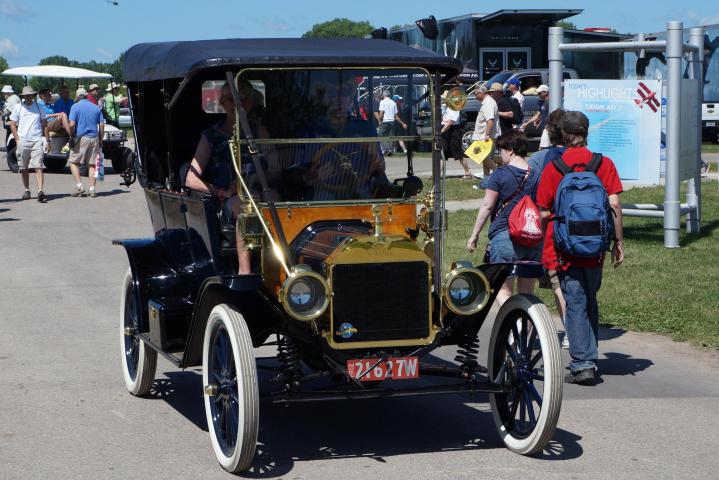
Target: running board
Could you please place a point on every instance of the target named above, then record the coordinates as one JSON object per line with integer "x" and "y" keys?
{"x": 173, "y": 358}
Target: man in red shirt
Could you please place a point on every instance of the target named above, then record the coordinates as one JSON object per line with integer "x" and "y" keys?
{"x": 579, "y": 277}
{"x": 92, "y": 92}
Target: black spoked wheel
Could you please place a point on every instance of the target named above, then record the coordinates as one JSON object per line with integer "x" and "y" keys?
{"x": 12, "y": 159}
{"x": 139, "y": 361}
{"x": 524, "y": 355}
{"x": 231, "y": 391}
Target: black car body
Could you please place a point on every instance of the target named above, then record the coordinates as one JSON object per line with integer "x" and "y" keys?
{"x": 349, "y": 278}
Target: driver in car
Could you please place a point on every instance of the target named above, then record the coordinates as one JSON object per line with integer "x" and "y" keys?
{"x": 343, "y": 171}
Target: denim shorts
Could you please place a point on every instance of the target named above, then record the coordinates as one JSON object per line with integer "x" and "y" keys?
{"x": 504, "y": 251}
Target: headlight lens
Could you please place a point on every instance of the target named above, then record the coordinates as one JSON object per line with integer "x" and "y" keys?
{"x": 466, "y": 290}
{"x": 305, "y": 294}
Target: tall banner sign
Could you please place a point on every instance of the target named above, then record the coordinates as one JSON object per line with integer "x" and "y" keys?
{"x": 624, "y": 123}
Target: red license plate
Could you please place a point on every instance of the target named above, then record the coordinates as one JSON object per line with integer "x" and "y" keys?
{"x": 394, "y": 368}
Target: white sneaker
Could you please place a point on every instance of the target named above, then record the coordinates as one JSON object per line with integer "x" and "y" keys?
{"x": 477, "y": 175}
{"x": 565, "y": 342}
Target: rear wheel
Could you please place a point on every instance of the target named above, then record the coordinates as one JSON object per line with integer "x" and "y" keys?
{"x": 139, "y": 361}
{"x": 12, "y": 159}
{"x": 524, "y": 355}
{"x": 231, "y": 392}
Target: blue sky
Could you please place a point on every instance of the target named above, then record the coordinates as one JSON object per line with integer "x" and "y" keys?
{"x": 97, "y": 30}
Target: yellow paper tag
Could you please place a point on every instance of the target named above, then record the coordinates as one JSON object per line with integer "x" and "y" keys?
{"x": 479, "y": 150}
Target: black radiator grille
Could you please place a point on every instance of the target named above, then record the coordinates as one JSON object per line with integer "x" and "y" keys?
{"x": 382, "y": 301}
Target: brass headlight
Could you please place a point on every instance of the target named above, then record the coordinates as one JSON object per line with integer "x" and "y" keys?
{"x": 305, "y": 294}
{"x": 465, "y": 289}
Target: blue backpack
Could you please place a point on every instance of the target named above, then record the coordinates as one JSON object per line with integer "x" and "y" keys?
{"x": 583, "y": 223}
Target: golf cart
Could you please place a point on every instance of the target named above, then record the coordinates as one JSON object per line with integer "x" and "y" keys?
{"x": 113, "y": 143}
{"x": 349, "y": 283}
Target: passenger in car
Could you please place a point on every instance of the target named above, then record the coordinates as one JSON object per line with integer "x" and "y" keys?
{"x": 211, "y": 169}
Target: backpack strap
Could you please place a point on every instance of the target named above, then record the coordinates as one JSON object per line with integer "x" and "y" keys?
{"x": 594, "y": 163}
{"x": 561, "y": 165}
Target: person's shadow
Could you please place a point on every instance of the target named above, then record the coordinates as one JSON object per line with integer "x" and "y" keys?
{"x": 622, "y": 364}
{"x": 375, "y": 429}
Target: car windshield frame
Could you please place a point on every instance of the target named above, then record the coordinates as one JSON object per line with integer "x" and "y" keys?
{"x": 321, "y": 141}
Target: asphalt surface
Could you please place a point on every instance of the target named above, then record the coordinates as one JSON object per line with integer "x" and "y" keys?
{"x": 65, "y": 413}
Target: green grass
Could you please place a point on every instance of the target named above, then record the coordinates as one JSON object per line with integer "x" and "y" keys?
{"x": 673, "y": 292}
{"x": 710, "y": 148}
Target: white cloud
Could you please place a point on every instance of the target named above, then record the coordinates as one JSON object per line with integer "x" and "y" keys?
{"x": 8, "y": 48}
{"x": 104, "y": 53}
{"x": 13, "y": 9}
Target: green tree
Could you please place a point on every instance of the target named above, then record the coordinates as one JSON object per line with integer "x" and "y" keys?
{"x": 339, "y": 28}
{"x": 565, "y": 25}
{"x": 16, "y": 82}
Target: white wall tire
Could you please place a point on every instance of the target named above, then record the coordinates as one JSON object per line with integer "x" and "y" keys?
{"x": 232, "y": 410}
{"x": 139, "y": 362}
{"x": 535, "y": 372}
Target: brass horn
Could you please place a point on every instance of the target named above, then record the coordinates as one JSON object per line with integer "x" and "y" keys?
{"x": 455, "y": 98}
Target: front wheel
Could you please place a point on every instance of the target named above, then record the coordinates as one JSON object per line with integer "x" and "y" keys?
{"x": 524, "y": 356}
{"x": 231, "y": 392}
{"x": 139, "y": 361}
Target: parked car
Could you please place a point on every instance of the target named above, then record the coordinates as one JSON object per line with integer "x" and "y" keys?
{"x": 527, "y": 78}
{"x": 349, "y": 284}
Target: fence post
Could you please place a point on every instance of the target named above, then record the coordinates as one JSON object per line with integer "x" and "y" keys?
{"x": 672, "y": 214}
{"x": 556, "y": 67}
{"x": 694, "y": 186}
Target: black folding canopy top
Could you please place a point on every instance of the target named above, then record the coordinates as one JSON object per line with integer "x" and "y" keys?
{"x": 165, "y": 60}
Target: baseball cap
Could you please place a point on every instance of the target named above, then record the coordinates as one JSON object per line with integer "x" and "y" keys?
{"x": 93, "y": 86}
{"x": 575, "y": 122}
{"x": 513, "y": 81}
{"x": 542, "y": 88}
{"x": 80, "y": 91}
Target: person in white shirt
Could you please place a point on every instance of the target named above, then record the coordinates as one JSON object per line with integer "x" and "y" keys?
{"x": 29, "y": 127}
{"x": 387, "y": 117}
{"x": 513, "y": 86}
{"x": 452, "y": 139}
{"x": 485, "y": 127}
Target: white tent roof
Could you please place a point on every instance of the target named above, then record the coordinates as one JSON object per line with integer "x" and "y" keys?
{"x": 55, "y": 71}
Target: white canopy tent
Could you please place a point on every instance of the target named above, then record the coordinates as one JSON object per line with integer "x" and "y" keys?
{"x": 54, "y": 71}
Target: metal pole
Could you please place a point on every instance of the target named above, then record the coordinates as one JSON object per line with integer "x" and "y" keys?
{"x": 672, "y": 216}
{"x": 641, "y": 53}
{"x": 556, "y": 66}
{"x": 694, "y": 186}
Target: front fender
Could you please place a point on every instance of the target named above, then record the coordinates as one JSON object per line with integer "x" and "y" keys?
{"x": 153, "y": 272}
{"x": 244, "y": 293}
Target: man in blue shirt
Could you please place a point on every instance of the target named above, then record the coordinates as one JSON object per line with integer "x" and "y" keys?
{"x": 64, "y": 103}
{"x": 55, "y": 121}
{"x": 88, "y": 125}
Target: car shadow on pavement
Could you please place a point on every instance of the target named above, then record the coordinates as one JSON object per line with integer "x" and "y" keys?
{"x": 622, "y": 364}
{"x": 374, "y": 429}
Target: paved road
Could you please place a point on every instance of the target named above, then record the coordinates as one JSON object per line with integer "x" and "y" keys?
{"x": 64, "y": 412}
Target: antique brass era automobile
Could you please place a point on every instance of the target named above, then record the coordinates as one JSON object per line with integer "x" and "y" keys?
{"x": 349, "y": 276}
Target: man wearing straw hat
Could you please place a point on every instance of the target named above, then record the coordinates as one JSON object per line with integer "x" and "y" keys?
{"x": 112, "y": 107}
{"x": 28, "y": 124}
